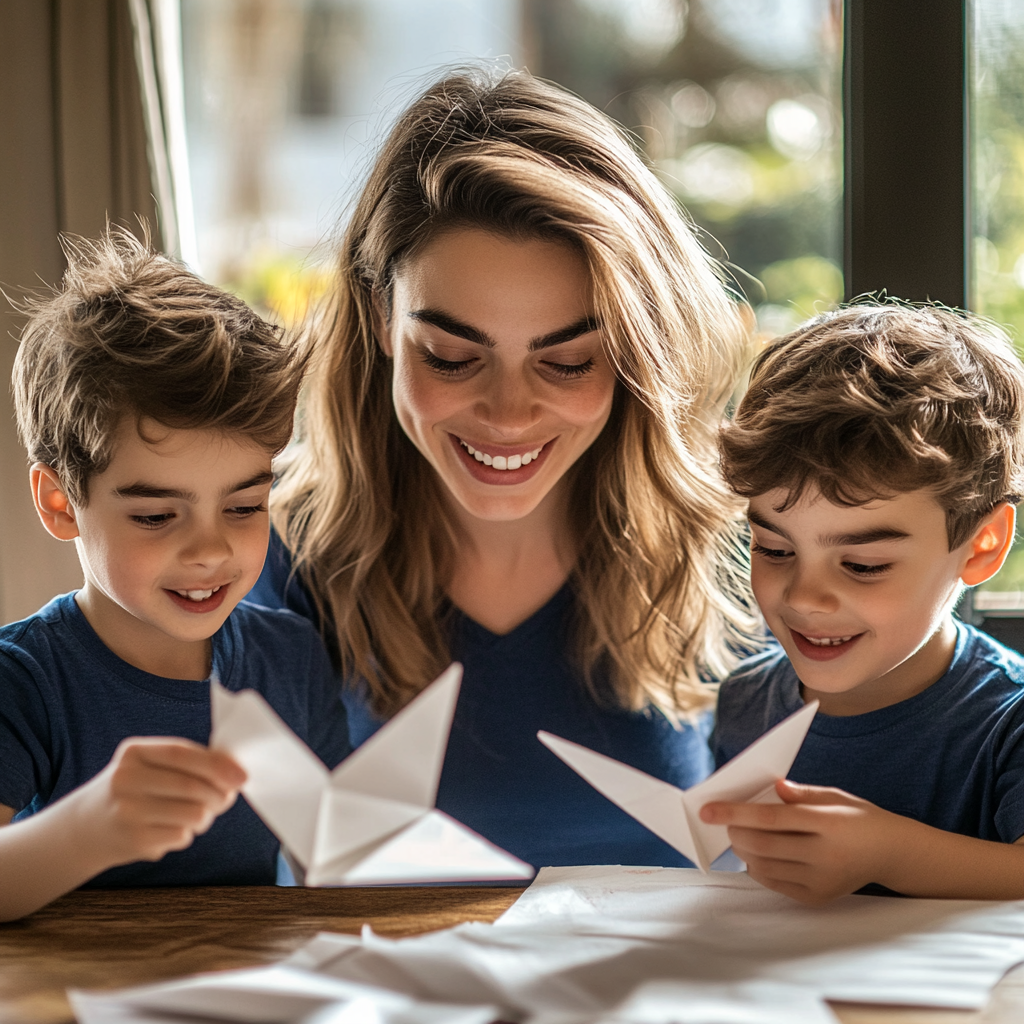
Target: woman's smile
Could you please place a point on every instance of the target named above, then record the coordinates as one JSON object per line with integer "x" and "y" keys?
{"x": 502, "y": 464}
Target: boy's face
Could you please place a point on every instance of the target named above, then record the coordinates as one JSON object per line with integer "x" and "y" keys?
{"x": 173, "y": 536}
{"x": 859, "y": 597}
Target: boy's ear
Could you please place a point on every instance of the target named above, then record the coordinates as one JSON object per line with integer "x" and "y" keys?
{"x": 52, "y": 503}
{"x": 990, "y": 545}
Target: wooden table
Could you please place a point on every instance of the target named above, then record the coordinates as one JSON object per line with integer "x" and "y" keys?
{"x": 136, "y": 936}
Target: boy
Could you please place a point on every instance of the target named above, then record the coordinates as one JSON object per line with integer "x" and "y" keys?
{"x": 881, "y": 450}
{"x": 151, "y": 405}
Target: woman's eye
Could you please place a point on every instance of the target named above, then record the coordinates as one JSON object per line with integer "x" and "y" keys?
{"x": 447, "y": 366}
{"x": 153, "y": 521}
{"x": 867, "y": 570}
{"x": 760, "y": 549}
{"x": 570, "y": 370}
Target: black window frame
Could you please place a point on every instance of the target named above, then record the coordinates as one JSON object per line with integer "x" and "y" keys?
{"x": 905, "y": 149}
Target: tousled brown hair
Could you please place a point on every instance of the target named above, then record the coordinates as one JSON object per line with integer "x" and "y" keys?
{"x": 131, "y": 332}
{"x": 879, "y": 399}
{"x": 657, "y": 580}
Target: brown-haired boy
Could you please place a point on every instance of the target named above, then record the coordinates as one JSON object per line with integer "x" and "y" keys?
{"x": 881, "y": 450}
{"x": 151, "y": 405}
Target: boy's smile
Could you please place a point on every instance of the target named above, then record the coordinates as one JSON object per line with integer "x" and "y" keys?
{"x": 859, "y": 597}
{"x": 173, "y": 536}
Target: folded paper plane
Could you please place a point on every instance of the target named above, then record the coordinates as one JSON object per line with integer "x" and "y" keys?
{"x": 372, "y": 820}
{"x": 673, "y": 814}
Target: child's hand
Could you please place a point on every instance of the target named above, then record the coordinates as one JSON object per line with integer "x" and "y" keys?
{"x": 819, "y": 844}
{"x": 157, "y": 794}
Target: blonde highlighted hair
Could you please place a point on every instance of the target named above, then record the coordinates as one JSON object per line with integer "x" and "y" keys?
{"x": 658, "y": 578}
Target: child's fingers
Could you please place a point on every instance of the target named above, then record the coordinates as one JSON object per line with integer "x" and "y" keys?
{"x": 773, "y": 817}
{"x": 792, "y": 847}
{"x": 137, "y": 779}
{"x": 183, "y": 756}
{"x": 799, "y": 793}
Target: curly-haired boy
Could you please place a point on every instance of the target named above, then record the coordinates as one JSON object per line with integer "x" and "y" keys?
{"x": 882, "y": 453}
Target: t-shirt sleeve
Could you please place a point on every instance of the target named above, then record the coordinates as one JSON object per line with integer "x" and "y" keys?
{"x": 328, "y": 721}
{"x": 1009, "y": 797}
{"x": 25, "y": 732}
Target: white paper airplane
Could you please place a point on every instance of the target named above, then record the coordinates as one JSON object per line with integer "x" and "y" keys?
{"x": 371, "y": 821}
{"x": 673, "y": 814}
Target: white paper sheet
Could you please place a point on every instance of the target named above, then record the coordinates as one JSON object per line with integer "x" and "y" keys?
{"x": 268, "y": 995}
{"x": 581, "y": 941}
{"x": 673, "y": 814}
{"x": 372, "y": 820}
{"x": 754, "y": 1002}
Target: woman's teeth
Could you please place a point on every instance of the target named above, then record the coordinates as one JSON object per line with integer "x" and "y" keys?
{"x": 198, "y": 595}
{"x": 828, "y": 641}
{"x": 499, "y": 461}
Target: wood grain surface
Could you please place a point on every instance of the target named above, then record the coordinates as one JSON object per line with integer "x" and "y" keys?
{"x": 127, "y": 937}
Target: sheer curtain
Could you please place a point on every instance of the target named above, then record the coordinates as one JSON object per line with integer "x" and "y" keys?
{"x": 84, "y": 141}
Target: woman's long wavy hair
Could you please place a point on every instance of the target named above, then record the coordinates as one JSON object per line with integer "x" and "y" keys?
{"x": 658, "y": 579}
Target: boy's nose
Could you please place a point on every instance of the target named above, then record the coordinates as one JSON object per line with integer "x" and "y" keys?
{"x": 808, "y": 593}
{"x": 207, "y": 547}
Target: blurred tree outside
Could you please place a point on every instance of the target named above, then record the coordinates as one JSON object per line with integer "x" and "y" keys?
{"x": 736, "y": 103}
{"x": 996, "y": 257}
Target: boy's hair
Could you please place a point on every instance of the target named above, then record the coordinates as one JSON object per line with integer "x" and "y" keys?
{"x": 876, "y": 400}
{"x": 133, "y": 333}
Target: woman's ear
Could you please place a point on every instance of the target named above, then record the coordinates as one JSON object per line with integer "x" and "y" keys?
{"x": 382, "y": 324}
{"x": 52, "y": 503}
{"x": 990, "y": 545}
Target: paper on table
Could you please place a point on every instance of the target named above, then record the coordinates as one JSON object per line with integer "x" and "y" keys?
{"x": 944, "y": 953}
{"x": 266, "y": 995}
{"x": 752, "y": 1002}
{"x": 372, "y": 820}
{"x": 673, "y": 814}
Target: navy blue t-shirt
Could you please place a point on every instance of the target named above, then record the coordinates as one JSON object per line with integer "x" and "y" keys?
{"x": 498, "y": 778}
{"x": 67, "y": 701}
{"x": 951, "y": 756}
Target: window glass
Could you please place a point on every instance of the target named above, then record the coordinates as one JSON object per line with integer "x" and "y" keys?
{"x": 996, "y": 203}
{"x": 736, "y": 102}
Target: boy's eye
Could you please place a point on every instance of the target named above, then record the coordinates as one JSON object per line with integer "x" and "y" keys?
{"x": 570, "y": 370}
{"x": 867, "y": 570}
{"x": 760, "y": 549}
{"x": 153, "y": 521}
{"x": 247, "y": 510}
{"x": 449, "y": 367}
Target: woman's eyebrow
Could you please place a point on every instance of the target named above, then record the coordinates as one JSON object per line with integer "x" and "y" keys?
{"x": 450, "y": 325}
{"x": 453, "y": 326}
{"x": 582, "y": 326}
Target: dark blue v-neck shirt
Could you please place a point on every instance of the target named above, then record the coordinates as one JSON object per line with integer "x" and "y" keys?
{"x": 498, "y": 778}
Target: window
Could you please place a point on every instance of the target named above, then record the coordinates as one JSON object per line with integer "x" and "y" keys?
{"x": 736, "y": 102}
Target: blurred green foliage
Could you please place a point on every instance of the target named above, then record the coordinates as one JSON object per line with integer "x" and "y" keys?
{"x": 997, "y": 199}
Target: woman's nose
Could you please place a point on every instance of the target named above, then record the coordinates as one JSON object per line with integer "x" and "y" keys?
{"x": 508, "y": 406}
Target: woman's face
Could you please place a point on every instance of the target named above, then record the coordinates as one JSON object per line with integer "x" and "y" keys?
{"x": 500, "y": 375}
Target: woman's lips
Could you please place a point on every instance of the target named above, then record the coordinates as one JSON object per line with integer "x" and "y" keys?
{"x": 488, "y": 474}
{"x": 819, "y": 652}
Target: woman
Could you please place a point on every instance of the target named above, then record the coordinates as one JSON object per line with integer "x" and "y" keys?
{"x": 508, "y": 460}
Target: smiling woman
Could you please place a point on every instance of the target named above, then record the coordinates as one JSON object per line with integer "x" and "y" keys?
{"x": 509, "y": 460}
